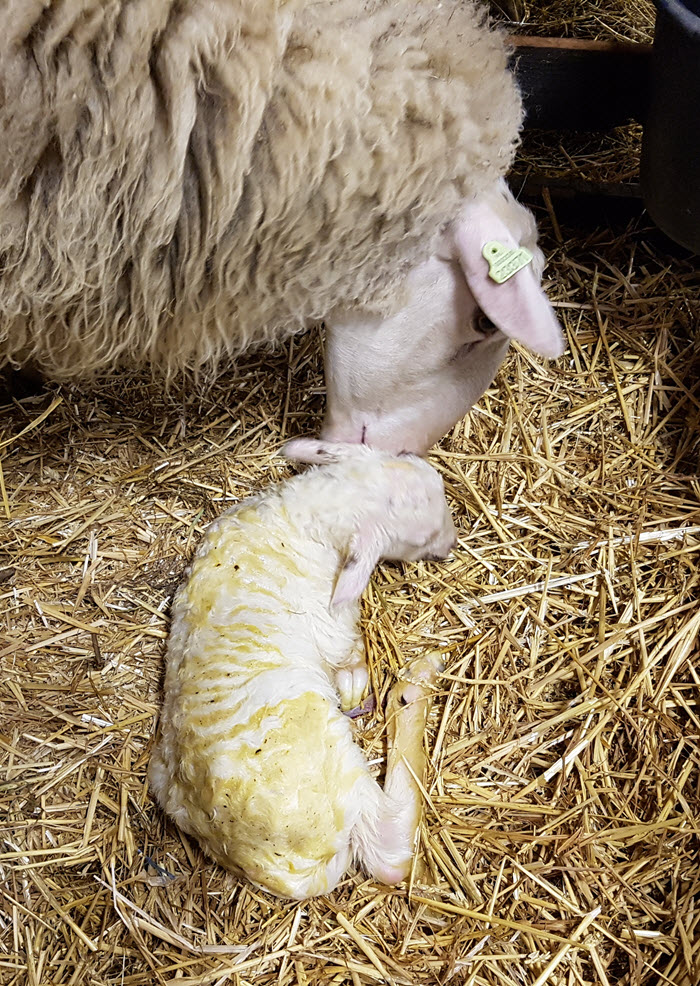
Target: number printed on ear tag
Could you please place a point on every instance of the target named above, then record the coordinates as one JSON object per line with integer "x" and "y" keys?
{"x": 505, "y": 261}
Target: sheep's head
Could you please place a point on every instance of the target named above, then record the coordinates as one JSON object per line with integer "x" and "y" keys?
{"x": 398, "y": 506}
{"x": 400, "y": 383}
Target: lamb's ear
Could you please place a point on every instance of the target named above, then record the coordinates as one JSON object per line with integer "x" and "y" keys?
{"x": 518, "y": 306}
{"x": 358, "y": 567}
{"x": 313, "y": 450}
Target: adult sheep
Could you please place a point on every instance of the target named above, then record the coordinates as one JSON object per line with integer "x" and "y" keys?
{"x": 181, "y": 180}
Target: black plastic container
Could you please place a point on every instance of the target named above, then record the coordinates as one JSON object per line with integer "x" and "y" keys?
{"x": 671, "y": 142}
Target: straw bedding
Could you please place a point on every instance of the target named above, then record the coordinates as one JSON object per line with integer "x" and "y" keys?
{"x": 560, "y": 835}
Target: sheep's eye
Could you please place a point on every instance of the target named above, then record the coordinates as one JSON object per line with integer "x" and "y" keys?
{"x": 463, "y": 350}
{"x": 483, "y": 324}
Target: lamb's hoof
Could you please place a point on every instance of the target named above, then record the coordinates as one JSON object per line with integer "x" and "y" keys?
{"x": 365, "y": 709}
{"x": 351, "y": 683}
{"x": 420, "y": 675}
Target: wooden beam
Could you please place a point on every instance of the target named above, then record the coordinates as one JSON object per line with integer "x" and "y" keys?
{"x": 571, "y": 84}
{"x": 571, "y": 188}
{"x": 583, "y": 204}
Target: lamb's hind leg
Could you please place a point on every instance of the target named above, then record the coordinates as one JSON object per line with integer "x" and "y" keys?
{"x": 384, "y": 838}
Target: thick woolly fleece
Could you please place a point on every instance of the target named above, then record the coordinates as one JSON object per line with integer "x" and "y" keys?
{"x": 183, "y": 179}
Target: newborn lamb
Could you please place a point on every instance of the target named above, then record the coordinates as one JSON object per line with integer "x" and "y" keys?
{"x": 255, "y": 757}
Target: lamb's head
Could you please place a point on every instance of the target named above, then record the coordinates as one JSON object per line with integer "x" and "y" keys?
{"x": 396, "y": 504}
{"x": 400, "y": 383}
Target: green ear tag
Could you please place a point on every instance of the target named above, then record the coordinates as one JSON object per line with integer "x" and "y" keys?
{"x": 504, "y": 261}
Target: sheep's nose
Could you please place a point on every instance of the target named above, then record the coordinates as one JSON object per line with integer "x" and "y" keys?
{"x": 443, "y": 553}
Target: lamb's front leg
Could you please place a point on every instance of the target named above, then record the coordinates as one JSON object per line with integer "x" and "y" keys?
{"x": 351, "y": 680}
{"x": 385, "y": 842}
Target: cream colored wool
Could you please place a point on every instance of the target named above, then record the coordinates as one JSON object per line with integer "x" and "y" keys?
{"x": 182, "y": 180}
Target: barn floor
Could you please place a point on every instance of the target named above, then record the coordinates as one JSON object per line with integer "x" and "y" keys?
{"x": 560, "y": 839}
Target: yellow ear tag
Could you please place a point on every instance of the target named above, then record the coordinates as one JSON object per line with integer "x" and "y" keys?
{"x": 504, "y": 261}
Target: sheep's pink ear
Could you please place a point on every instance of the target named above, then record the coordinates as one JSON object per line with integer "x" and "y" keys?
{"x": 358, "y": 567}
{"x": 518, "y": 306}
{"x": 313, "y": 450}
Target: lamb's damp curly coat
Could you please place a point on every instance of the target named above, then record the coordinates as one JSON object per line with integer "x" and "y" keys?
{"x": 255, "y": 759}
{"x": 182, "y": 180}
